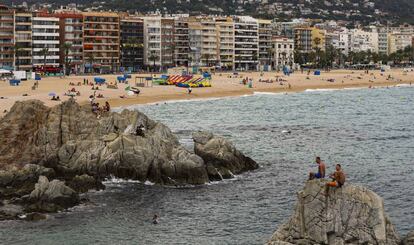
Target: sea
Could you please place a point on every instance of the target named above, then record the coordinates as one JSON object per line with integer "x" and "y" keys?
{"x": 369, "y": 131}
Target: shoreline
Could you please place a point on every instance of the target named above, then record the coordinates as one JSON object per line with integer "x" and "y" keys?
{"x": 223, "y": 85}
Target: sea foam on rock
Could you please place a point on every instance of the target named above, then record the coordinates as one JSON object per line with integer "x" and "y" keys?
{"x": 347, "y": 215}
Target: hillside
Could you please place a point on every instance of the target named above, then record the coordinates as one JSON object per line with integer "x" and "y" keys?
{"x": 362, "y": 10}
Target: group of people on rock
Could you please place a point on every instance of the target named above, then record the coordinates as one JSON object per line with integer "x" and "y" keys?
{"x": 337, "y": 178}
{"x": 97, "y": 109}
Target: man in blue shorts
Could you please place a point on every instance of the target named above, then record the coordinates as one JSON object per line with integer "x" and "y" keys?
{"x": 321, "y": 170}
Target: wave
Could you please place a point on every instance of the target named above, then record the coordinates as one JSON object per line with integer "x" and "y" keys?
{"x": 115, "y": 180}
{"x": 267, "y": 93}
{"x": 322, "y": 90}
{"x": 403, "y": 85}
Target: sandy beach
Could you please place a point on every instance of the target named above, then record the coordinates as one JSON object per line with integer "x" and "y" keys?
{"x": 223, "y": 85}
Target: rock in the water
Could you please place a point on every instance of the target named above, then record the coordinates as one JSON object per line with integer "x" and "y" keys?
{"x": 34, "y": 216}
{"x": 347, "y": 215}
{"x": 222, "y": 159}
{"x": 83, "y": 183}
{"x": 52, "y": 196}
{"x": 409, "y": 239}
{"x": 10, "y": 211}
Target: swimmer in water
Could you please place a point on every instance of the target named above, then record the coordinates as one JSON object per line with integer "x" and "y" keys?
{"x": 155, "y": 219}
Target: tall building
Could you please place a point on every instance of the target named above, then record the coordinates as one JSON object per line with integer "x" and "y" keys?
{"x": 225, "y": 42}
{"x": 181, "y": 40}
{"x": 283, "y": 52}
{"x": 383, "y": 33}
{"x": 361, "y": 40}
{"x": 399, "y": 41}
{"x": 265, "y": 42}
{"x": 194, "y": 35}
{"x": 45, "y": 43}
{"x": 6, "y": 38}
{"x": 101, "y": 41}
{"x": 23, "y": 40}
{"x": 209, "y": 54}
{"x": 152, "y": 41}
{"x": 246, "y": 43}
{"x": 308, "y": 39}
{"x": 71, "y": 41}
{"x": 167, "y": 42}
{"x": 132, "y": 43}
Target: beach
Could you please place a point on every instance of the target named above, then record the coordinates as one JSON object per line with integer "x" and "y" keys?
{"x": 223, "y": 85}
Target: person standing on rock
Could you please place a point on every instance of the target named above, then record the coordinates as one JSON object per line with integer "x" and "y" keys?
{"x": 338, "y": 178}
{"x": 321, "y": 170}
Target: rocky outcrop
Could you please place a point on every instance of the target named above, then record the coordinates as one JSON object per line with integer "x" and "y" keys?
{"x": 70, "y": 143}
{"x": 222, "y": 159}
{"x": 409, "y": 239}
{"x": 52, "y": 196}
{"x": 347, "y": 215}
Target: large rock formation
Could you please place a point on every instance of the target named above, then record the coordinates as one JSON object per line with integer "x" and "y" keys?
{"x": 222, "y": 159}
{"x": 409, "y": 239}
{"x": 347, "y": 215}
{"x": 68, "y": 142}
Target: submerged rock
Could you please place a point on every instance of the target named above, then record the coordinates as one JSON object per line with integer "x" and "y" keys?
{"x": 222, "y": 159}
{"x": 347, "y": 215}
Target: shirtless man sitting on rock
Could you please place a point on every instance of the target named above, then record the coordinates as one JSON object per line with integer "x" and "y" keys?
{"x": 321, "y": 170}
{"x": 338, "y": 178}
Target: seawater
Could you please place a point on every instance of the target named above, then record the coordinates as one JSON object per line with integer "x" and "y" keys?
{"x": 369, "y": 131}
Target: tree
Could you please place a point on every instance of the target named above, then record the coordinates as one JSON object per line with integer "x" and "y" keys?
{"x": 17, "y": 50}
{"x": 44, "y": 52}
{"x": 153, "y": 57}
{"x": 317, "y": 42}
{"x": 66, "y": 49}
{"x": 206, "y": 57}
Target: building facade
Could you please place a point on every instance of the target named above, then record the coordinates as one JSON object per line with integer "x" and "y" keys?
{"x": 23, "y": 40}
{"x": 181, "y": 40}
{"x": 283, "y": 52}
{"x": 225, "y": 42}
{"x": 132, "y": 44}
{"x": 101, "y": 41}
{"x": 265, "y": 43}
{"x": 6, "y": 38}
{"x": 246, "y": 43}
{"x": 46, "y": 43}
{"x": 152, "y": 41}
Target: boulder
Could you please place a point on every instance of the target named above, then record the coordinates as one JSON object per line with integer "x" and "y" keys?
{"x": 52, "y": 196}
{"x": 409, "y": 239}
{"x": 347, "y": 215}
{"x": 83, "y": 183}
{"x": 222, "y": 159}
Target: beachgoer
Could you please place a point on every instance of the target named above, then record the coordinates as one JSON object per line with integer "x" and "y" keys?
{"x": 321, "y": 170}
{"x": 140, "y": 130}
{"x": 107, "y": 107}
{"x": 57, "y": 98}
{"x": 53, "y": 98}
{"x": 338, "y": 178}
{"x": 190, "y": 90}
{"x": 155, "y": 219}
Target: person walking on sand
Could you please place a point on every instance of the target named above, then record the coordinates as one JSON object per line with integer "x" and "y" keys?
{"x": 189, "y": 90}
{"x": 321, "y": 170}
{"x": 338, "y": 177}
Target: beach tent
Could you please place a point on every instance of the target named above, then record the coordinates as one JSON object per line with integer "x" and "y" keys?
{"x": 99, "y": 80}
{"x": 121, "y": 78}
{"x": 14, "y": 82}
{"x": 317, "y": 73}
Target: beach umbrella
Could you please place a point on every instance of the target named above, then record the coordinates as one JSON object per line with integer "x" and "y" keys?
{"x": 52, "y": 94}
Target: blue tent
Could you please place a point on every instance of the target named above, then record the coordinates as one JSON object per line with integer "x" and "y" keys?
{"x": 99, "y": 80}
{"x": 317, "y": 73}
{"x": 14, "y": 82}
{"x": 121, "y": 78}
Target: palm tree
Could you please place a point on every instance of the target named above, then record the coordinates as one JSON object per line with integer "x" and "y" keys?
{"x": 44, "y": 52}
{"x": 153, "y": 57}
{"x": 317, "y": 41}
{"x": 17, "y": 49}
{"x": 66, "y": 49}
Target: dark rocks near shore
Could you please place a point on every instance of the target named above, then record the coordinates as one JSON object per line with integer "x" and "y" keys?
{"x": 49, "y": 155}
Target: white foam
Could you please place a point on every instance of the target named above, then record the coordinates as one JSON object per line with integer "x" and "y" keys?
{"x": 403, "y": 85}
{"x": 148, "y": 183}
{"x": 321, "y": 90}
{"x": 115, "y": 180}
{"x": 267, "y": 93}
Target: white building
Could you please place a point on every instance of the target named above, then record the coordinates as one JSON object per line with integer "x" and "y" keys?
{"x": 283, "y": 52}
{"x": 246, "y": 43}
{"x": 152, "y": 40}
{"x": 225, "y": 30}
{"x": 399, "y": 41}
{"x": 45, "y": 44}
{"x": 361, "y": 40}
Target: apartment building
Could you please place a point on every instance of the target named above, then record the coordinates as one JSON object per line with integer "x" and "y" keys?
{"x": 225, "y": 42}
{"x": 383, "y": 33}
{"x": 209, "y": 52}
{"x": 23, "y": 40}
{"x": 399, "y": 41}
{"x": 71, "y": 41}
{"x": 265, "y": 43}
{"x": 283, "y": 52}
{"x": 361, "y": 40}
{"x": 132, "y": 43}
{"x": 167, "y": 42}
{"x": 194, "y": 35}
{"x": 246, "y": 43}
{"x": 101, "y": 41}
{"x": 181, "y": 40}
{"x": 6, "y": 38}
{"x": 45, "y": 43}
{"x": 152, "y": 40}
